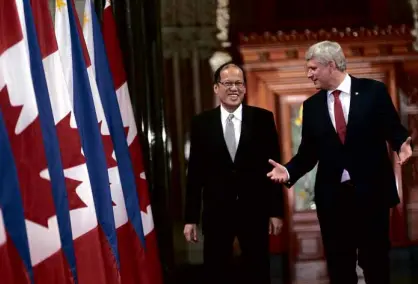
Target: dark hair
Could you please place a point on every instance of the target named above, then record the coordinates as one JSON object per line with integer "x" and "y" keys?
{"x": 217, "y": 74}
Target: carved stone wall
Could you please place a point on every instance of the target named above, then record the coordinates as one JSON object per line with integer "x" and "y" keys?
{"x": 187, "y": 26}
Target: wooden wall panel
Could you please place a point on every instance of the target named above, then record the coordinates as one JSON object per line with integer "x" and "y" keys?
{"x": 408, "y": 97}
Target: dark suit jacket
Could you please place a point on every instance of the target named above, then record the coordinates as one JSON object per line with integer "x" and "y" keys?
{"x": 372, "y": 121}
{"x": 212, "y": 170}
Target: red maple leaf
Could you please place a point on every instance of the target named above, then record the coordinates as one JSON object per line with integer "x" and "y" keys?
{"x": 126, "y": 129}
{"x": 74, "y": 201}
{"x": 108, "y": 148}
{"x": 70, "y": 144}
{"x": 30, "y": 160}
{"x": 71, "y": 156}
{"x": 138, "y": 166}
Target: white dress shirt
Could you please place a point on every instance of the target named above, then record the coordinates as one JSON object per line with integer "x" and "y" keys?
{"x": 236, "y": 120}
{"x": 345, "y": 88}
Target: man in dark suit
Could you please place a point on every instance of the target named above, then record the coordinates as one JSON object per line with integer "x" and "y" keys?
{"x": 229, "y": 152}
{"x": 345, "y": 129}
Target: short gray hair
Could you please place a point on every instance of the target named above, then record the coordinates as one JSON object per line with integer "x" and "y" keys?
{"x": 327, "y": 51}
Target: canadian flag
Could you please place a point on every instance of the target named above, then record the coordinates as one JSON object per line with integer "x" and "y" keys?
{"x": 25, "y": 106}
{"x": 15, "y": 265}
{"x": 136, "y": 266}
{"x": 14, "y": 251}
{"x": 93, "y": 129}
{"x": 12, "y": 269}
{"x": 91, "y": 255}
{"x": 151, "y": 271}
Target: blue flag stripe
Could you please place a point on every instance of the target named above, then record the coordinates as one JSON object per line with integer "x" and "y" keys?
{"x": 50, "y": 141}
{"x": 114, "y": 120}
{"x": 11, "y": 200}
{"x": 85, "y": 115}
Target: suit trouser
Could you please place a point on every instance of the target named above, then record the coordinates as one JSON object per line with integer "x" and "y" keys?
{"x": 351, "y": 233}
{"x": 253, "y": 237}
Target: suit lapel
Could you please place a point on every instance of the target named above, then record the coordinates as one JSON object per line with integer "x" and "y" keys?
{"x": 355, "y": 99}
{"x": 246, "y": 125}
{"x": 326, "y": 115}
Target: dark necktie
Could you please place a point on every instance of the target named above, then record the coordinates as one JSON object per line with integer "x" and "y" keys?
{"x": 340, "y": 124}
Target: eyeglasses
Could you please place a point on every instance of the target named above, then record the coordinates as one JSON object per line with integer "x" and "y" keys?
{"x": 229, "y": 85}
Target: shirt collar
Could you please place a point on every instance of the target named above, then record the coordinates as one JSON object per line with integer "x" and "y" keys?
{"x": 237, "y": 113}
{"x": 344, "y": 87}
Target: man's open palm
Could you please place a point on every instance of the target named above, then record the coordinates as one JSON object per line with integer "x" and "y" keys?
{"x": 278, "y": 173}
{"x": 190, "y": 232}
{"x": 405, "y": 152}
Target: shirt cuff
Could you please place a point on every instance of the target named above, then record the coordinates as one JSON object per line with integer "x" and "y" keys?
{"x": 288, "y": 176}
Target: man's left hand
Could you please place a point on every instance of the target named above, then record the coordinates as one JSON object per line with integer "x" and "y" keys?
{"x": 405, "y": 152}
{"x": 275, "y": 226}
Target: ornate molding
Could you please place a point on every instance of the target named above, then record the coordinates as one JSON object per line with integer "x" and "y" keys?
{"x": 414, "y": 32}
{"x": 380, "y": 44}
{"x": 360, "y": 34}
{"x": 222, "y": 22}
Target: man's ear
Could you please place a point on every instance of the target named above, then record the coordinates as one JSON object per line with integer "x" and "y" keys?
{"x": 215, "y": 88}
{"x": 332, "y": 64}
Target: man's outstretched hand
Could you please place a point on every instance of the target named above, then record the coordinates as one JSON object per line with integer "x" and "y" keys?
{"x": 278, "y": 173}
{"x": 275, "y": 226}
{"x": 190, "y": 233}
{"x": 405, "y": 152}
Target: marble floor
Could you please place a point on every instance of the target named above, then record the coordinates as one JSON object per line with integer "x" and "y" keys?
{"x": 404, "y": 266}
